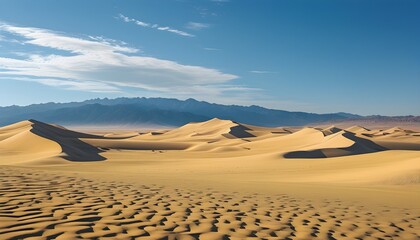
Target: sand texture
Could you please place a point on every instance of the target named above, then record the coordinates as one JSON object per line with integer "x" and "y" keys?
{"x": 211, "y": 180}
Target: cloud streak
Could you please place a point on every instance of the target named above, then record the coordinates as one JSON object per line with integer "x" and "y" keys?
{"x": 260, "y": 72}
{"x": 97, "y": 64}
{"x": 197, "y": 25}
{"x": 154, "y": 26}
{"x": 89, "y": 86}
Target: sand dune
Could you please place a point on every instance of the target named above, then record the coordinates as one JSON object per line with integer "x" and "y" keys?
{"x": 357, "y": 129}
{"x": 217, "y": 179}
{"x": 330, "y": 130}
{"x": 39, "y": 139}
{"x": 212, "y": 129}
{"x": 213, "y": 139}
{"x": 19, "y": 140}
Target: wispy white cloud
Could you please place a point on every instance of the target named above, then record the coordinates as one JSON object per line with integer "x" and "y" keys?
{"x": 108, "y": 40}
{"x": 140, "y": 23}
{"x": 46, "y": 38}
{"x": 90, "y": 86}
{"x": 154, "y": 26}
{"x": 260, "y": 72}
{"x": 97, "y": 64}
{"x": 197, "y": 25}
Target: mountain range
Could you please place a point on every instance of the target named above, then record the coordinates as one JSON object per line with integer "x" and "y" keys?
{"x": 159, "y": 112}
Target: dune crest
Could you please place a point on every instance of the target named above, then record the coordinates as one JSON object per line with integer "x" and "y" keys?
{"x": 214, "y": 135}
{"x": 36, "y": 140}
{"x": 19, "y": 140}
{"x": 357, "y": 129}
{"x": 214, "y": 128}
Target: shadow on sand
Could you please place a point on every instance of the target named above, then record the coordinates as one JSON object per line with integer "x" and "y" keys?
{"x": 240, "y": 131}
{"x": 360, "y": 146}
{"x": 74, "y": 148}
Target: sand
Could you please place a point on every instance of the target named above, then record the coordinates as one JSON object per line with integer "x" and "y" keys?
{"x": 212, "y": 180}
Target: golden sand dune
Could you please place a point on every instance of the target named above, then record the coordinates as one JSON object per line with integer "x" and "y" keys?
{"x": 44, "y": 140}
{"x": 357, "y": 129}
{"x": 211, "y": 180}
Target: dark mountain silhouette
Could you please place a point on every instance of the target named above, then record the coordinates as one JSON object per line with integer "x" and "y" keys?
{"x": 158, "y": 111}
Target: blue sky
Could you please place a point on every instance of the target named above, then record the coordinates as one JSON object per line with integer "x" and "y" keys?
{"x": 358, "y": 56}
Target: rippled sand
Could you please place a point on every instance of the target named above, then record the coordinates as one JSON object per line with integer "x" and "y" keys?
{"x": 55, "y": 206}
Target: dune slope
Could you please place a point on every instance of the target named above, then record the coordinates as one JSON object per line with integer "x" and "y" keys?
{"x": 35, "y": 139}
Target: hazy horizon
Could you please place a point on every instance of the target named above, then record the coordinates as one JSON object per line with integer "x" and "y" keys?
{"x": 244, "y": 105}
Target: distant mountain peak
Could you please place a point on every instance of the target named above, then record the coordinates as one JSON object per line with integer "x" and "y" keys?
{"x": 159, "y": 112}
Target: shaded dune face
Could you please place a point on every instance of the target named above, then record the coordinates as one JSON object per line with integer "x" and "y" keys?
{"x": 41, "y": 140}
{"x": 73, "y": 148}
{"x": 240, "y": 131}
{"x": 359, "y": 146}
{"x": 330, "y": 130}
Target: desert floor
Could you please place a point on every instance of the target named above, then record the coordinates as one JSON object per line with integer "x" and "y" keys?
{"x": 212, "y": 180}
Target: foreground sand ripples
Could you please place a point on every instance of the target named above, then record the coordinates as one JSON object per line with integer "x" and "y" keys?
{"x": 41, "y": 205}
